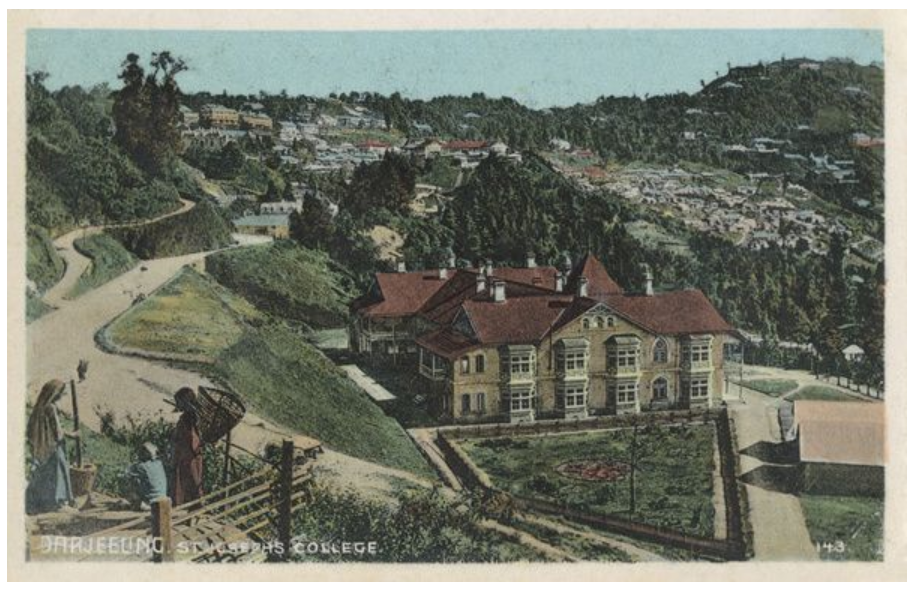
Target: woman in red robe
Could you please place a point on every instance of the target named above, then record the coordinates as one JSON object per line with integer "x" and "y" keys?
{"x": 188, "y": 450}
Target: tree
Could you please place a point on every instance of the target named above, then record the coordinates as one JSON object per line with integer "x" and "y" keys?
{"x": 146, "y": 112}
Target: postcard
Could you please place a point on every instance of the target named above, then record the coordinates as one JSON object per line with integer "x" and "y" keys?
{"x": 456, "y": 295}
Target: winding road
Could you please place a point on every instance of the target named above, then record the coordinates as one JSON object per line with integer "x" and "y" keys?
{"x": 135, "y": 388}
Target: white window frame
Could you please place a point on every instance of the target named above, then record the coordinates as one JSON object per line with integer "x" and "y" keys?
{"x": 626, "y": 393}
{"x": 521, "y": 364}
{"x": 699, "y": 388}
{"x": 521, "y": 400}
{"x": 574, "y": 361}
{"x": 700, "y": 354}
{"x": 575, "y": 396}
{"x": 660, "y": 345}
{"x": 626, "y": 357}
{"x": 480, "y": 402}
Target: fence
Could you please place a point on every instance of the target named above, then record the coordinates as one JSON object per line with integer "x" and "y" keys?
{"x": 736, "y": 545}
{"x": 221, "y": 525}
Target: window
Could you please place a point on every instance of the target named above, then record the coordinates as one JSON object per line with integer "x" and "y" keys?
{"x": 520, "y": 364}
{"x": 465, "y": 365}
{"x": 698, "y": 388}
{"x": 480, "y": 363}
{"x": 626, "y": 393}
{"x": 627, "y": 357}
{"x": 659, "y": 390}
{"x": 481, "y": 402}
{"x": 574, "y": 396}
{"x": 600, "y": 322}
{"x": 586, "y": 323}
{"x": 575, "y": 361}
{"x": 521, "y": 400}
{"x": 699, "y": 354}
{"x": 659, "y": 354}
{"x": 465, "y": 404}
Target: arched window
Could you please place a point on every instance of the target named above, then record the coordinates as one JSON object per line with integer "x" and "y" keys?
{"x": 600, "y": 322}
{"x": 586, "y": 323}
{"x": 659, "y": 354}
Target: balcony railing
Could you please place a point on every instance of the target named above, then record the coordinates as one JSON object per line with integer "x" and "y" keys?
{"x": 436, "y": 373}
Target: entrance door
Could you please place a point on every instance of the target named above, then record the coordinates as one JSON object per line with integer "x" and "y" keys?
{"x": 659, "y": 391}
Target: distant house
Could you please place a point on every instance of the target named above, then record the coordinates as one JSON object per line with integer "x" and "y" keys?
{"x": 559, "y": 144}
{"x": 813, "y": 66}
{"x": 273, "y": 225}
{"x": 256, "y": 120}
{"x": 281, "y": 207}
{"x": 840, "y": 446}
{"x": 218, "y": 116}
{"x": 853, "y": 353}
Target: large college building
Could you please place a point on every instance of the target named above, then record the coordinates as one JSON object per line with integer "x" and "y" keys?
{"x": 539, "y": 342}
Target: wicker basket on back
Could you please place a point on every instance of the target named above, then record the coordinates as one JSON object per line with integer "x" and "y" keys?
{"x": 218, "y": 411}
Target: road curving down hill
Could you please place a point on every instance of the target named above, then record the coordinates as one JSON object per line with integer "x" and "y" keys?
{"x": 131, "y": 386}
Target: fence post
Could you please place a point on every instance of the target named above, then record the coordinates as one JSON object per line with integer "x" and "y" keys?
{"x": 284, "y": 509}
{"x": 163, "y": 547}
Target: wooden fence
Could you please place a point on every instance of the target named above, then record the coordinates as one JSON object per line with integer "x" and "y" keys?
{"x": 216, "y": 528}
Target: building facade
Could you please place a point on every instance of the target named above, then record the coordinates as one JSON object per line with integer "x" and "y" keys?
{"x": 218, "y": 116}
{"x": 537, "y": 342}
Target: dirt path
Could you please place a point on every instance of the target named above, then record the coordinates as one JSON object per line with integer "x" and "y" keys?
{"x": 529, "y": 541}
{"x": 779, "y": 528}
{"x": 77, "y": 263}
{"x": 134, "y": 387}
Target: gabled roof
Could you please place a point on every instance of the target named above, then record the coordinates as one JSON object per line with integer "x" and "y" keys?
{"x": 404, "y": 293}
{"x": 677, "y": 312}
{"x": 519, "y": 320}
{"x": 599, "y": 282}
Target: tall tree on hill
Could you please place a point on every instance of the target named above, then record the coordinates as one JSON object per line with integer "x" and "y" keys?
{"x": 145, "y": 110}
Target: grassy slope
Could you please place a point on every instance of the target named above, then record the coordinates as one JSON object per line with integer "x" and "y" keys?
{"x": 280, "y": 375}
{"x": 769, "y": 387}
{"x": 286, "y": 379}
{"x": 200, "y": 229}
{"x": 822, "y": 393}
{"x": 109, "y": 260}
{"x": 673, "y": 485}
{"x": 192, "y": 314}
{"x": 852, "y": 525}
{"x": 286, "y": 280}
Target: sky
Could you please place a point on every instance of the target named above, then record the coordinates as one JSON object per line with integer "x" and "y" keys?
{"x": 540, "y": 68}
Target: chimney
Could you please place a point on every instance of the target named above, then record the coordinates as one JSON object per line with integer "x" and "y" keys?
{"x": 560, "y": 282}
{"x": 481, "y": 283}
{"x": 488, "y": 267}
{"x": 442, "y": 273}
{"x": 401, "y": 266}
{"x": 649, "y": 289}
{"x": 498, "y": 290}
{"x": 583, "y": 287}
{"x": 531, "y": 260}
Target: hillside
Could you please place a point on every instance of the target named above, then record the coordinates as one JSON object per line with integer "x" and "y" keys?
{"x": 109, "y": 260}
{"x": 286, "y": 280}
{"x": 200, "y": 229}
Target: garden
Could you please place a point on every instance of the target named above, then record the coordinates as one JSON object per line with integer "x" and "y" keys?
{"x": 659, "y": 475}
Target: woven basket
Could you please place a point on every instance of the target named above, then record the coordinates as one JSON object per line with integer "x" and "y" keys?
{"x": 218, "y": 411}
{"x": 82, "y": 479}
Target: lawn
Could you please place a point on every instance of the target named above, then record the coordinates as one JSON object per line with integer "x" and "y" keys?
{"x": 190, "y": 315}
{"x": 845, "y": 528}
{"x": 770, "y": 387}
{"x": 673, "y": 483}
{"x": 109, "y": 258}
{"x": 578, "y": 546}
{"x": 44, "y": 266}
{"x": 286, "y": 280}
{"x": 822, "y": 393}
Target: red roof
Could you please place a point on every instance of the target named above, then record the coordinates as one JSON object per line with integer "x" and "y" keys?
{"x": 678, "y": 312}
{"x": 518, "y": 320}
{"x": 600, "y": 284}
{"x": 447, "y": 342}
{"x": 403, "y": 293}
{"x": 374, "y": 144}
{"x": 465, "y": 145}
